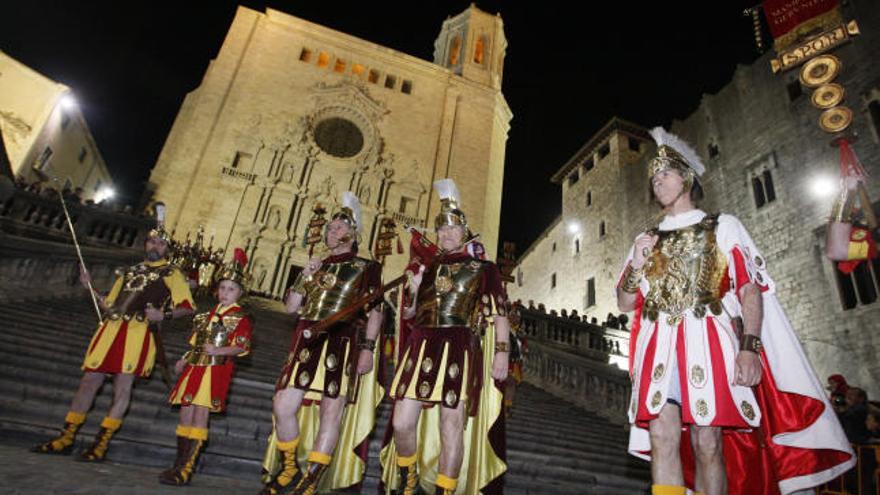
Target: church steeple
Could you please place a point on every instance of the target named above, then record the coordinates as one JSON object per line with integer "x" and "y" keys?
{"x": 472, "y": 44}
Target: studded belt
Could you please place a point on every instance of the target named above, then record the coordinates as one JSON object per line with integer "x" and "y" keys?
{"x": 137, "y": 316}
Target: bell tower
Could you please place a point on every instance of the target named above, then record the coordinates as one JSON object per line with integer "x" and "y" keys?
{"x": 472, "y": 44}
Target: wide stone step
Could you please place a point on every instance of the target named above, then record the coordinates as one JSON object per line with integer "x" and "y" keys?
{"x": 553, "y": 446}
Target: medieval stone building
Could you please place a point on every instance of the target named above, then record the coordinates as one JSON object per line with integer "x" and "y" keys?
{"x": 290, "y": 114}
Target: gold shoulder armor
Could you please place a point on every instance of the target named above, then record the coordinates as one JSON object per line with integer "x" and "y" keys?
{"x": 199, "y": 319}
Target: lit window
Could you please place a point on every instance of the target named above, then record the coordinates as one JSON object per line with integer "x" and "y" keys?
{"x": 374, "y": 76}
{"x": 479, "y": 50}
{"x": 358, "y": 69}
{"x": 323, "y": 60}
{"x": 339, "y": 66}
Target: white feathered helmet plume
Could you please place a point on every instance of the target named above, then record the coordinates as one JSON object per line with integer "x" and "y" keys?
{"x": 450, "y": 201}
{"x": 350, "y": 211}
{"x": 674, "y": 153}
{"x": 159, "y": 231}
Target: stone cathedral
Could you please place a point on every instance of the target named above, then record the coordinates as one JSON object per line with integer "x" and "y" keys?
{"x": 291, "y": 114}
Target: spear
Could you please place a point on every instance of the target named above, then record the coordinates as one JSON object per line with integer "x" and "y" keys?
{"x": 43, "y": 175}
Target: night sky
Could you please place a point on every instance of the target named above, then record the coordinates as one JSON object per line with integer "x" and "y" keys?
{"x": 131, "y": 63}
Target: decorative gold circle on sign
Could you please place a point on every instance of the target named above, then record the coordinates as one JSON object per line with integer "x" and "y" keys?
{"x": 451, "y": 398}
{"x": 747, "y": 410}
{"x": 443, "y": 284}
{"x": 835, "y": 119}
{"x": 827, "y": 95}
{"x": 820, "y": 70}
{"x": 332, "y": 362}
{"x": 304, "y": 355}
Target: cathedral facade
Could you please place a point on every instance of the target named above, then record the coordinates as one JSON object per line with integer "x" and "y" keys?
{"x": 769, "y": 164}
{"x": 291, "y": 114}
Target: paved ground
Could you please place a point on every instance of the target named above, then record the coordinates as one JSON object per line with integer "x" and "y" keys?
{"x": 23, "y": 472}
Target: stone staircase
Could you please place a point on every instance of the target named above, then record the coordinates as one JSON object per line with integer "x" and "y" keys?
{"x": 554, "y": 447}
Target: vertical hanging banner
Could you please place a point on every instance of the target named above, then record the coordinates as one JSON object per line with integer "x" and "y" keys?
{"x": 802, "y": 29}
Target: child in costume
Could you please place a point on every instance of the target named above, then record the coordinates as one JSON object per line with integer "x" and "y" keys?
{"x": 218, "y": 337}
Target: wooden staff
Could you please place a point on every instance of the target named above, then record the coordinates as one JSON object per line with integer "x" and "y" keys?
{"x": 43, "y": 175}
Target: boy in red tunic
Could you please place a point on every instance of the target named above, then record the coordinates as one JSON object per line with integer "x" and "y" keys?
{"x": 206, "y": 370}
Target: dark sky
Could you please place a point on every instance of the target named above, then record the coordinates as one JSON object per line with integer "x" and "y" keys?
{"x": 566, "y": 73}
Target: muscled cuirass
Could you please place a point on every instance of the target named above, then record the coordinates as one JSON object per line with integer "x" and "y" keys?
{"x": 332, "y": 288}
{"x": 216, "y": 333}
{"x": 142, "y": 285}
{"x": 684, "y": 272}
{"x": 449, "y": 294}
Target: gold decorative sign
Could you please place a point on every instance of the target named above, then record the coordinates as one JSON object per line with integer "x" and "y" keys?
{"x": 820, "y": 70}
{"x": 827, "y": 96}
{"x": 835, "y": 119}
{"x": 817, "y": 45}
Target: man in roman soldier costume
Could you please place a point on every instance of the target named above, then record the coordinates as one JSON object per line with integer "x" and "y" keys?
{"x": 719, "y": 378}
{"x": 322, "y": 379}
{"x": 452, "y": 361}
{"x": 218, "y": 337}
{"x": 125, "y": 344}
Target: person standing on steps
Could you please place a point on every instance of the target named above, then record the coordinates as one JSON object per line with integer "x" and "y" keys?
{"x": 219, "y": 336}
{"x": 452, "y": 366}
{"x": 124, "y": 345}
{"x": 713, "y": 352}
{"x": 329, "y": 379}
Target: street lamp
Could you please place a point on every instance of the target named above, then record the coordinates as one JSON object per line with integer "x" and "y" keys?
{"x": 104, "y": 193}
{"x": 68, "y": 101}
{"x": 574, "y": 227}
{"x": 823, "y": 186}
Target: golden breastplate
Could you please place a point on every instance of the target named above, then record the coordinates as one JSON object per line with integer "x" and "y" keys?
{"x": 216, "y": 333}
{"x": 684, "y": 272}
{"x": 451, "y": 299}
{"x": 332, "y": 289}
{"x": 142, "y": 285}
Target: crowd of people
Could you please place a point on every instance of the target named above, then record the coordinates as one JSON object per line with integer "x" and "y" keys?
{"x": 859, "y": 416}
{"x": 611, "y": 320}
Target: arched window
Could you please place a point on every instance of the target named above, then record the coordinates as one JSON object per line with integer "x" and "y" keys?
{"x": 454, "y": 50}
{"x": 479, "y": 50}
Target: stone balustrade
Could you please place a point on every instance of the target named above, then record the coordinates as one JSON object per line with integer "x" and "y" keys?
{"x": 37, "y": 257}
{"x": 577, "y": 360}
{"x": 40, "y": 216}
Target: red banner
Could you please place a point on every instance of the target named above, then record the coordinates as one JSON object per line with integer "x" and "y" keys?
{"x": 786, "y": 15}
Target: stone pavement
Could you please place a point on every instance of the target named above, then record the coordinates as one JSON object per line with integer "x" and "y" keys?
{"x": 23, "y": 472}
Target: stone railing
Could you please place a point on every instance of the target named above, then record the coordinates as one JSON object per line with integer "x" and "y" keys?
{"x": 37, "y": 257}
{"x": 573, "y": 360}
{"x": 39, "y": 216}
